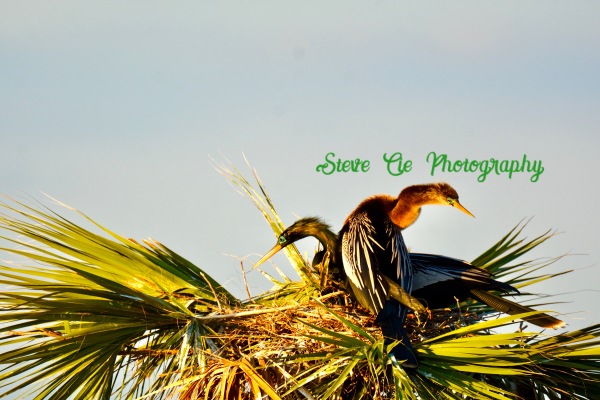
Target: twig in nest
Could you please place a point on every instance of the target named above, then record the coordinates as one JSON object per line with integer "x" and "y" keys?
{"x": 213, "y": 291}
{"x": 245, "y": 281}
{"x": 266, "y": 310}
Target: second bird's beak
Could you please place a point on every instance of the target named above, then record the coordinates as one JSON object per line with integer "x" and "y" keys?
{"x": 270, "y": 254}
{"x": 460, "y": 207}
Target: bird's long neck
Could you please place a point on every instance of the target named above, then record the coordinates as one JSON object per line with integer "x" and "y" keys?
{"x": 327, "y": 238}
{"x": 407, "y": 207}
{"x": 404, "y": 216}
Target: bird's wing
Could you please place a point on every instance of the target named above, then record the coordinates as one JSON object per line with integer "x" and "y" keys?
{"x": 361, "y": 254}
{"x": 430, "y": 269}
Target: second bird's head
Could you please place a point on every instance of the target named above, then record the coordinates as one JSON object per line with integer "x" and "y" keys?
{"x": 310, "y": 226}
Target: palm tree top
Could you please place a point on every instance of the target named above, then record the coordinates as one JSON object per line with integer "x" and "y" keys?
{"x": 148, "y": 323}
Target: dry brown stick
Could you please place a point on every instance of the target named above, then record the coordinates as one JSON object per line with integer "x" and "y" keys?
{"x": 245, "y": 281}
{"x": 213, "y": 291}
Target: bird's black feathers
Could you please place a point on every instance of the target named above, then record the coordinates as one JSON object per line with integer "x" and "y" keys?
{"x": 441, "y": 280}
{"x": 372, "y": 248}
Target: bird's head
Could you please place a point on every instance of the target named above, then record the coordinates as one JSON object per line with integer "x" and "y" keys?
{"x": 411, "y": 199}
{"x": 432, "y": 193}
{"x": 310, "y": 226}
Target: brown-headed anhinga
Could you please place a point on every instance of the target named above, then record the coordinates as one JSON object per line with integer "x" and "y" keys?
{"x": 372, "y": 248}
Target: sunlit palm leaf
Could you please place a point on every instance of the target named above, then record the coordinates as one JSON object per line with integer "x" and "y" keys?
{"x": 263, "y": 202}
{"x": 94, "y": 304}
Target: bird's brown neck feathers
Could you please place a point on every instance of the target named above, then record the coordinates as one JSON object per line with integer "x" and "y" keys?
{"x": 404, "y": 215}
{"x": 404, "y": 209}
{"x": 407, "y": 206}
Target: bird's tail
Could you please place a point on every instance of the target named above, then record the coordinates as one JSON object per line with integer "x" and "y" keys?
{"x": 391, "y": 320}
{"x": 512, "y": 308}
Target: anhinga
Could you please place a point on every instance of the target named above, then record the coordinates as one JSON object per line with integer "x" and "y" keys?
{"x": 438, "y": 280}
{"x": 373, "y": 248}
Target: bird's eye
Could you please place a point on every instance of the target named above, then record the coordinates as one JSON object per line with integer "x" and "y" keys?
{"x": 282, "y": 239}
{"x": 450, "y": 201}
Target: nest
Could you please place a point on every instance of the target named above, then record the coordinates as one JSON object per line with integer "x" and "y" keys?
{"x": 276, "y": 343}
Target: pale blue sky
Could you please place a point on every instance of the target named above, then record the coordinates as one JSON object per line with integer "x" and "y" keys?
{"x": 116, "y": 108}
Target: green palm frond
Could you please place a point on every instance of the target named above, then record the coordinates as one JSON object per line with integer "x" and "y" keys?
{"x": 89, "y": 314}
{"x": 262, "y": 201}
{"x": 90, "y": 305}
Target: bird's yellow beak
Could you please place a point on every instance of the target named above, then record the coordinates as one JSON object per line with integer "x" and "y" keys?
{"x": 460, "y": 207}
{"x": 270, "y": 254}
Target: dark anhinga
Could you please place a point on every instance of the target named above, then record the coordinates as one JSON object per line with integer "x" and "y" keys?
{"x": 438, "y": 280}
